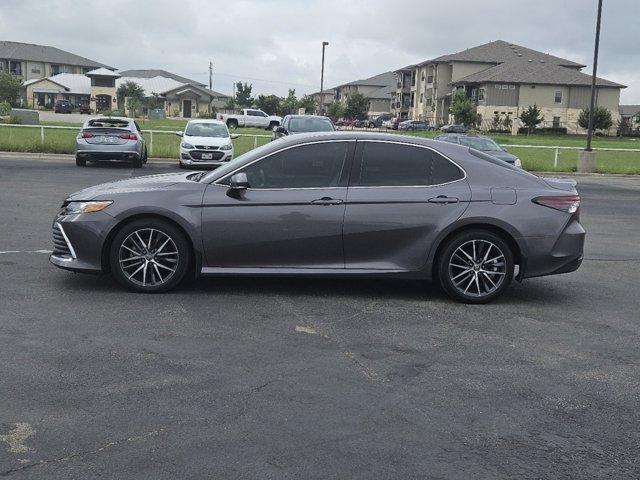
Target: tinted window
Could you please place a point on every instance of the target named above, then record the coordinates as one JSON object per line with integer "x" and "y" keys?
{"x": 318, "y": 165}
{"x": 390, "y": 164}
{"x": 310, "y": 124}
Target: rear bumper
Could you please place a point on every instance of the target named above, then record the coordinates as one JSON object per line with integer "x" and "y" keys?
{"x": 108, "y": 155}
{"x": 554, "y": 255}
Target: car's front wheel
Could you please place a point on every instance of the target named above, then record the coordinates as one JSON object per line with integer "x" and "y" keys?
{"x": 81, "y": 162}
{"x": 149, "y": 255}
{"x": 475, "y": 266}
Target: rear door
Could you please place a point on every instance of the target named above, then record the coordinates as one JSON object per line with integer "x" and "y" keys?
{"x": 400, "y": 197}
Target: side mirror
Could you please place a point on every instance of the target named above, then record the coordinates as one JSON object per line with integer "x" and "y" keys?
{"x": 233, "y": 136}
{"x": 239, "y": 181}
{"x": 280, "y": 129}
{"x": 180, "y": 134}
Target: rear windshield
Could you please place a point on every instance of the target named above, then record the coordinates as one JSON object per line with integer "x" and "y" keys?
{"x": 107, "y": 122}
{"x": 483, "y": 144}
{"x": 300, "y": 125}
{"x": 196, "y": 129}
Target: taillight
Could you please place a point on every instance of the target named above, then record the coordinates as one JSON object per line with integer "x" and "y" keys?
{"x": 87, "y": 135}
{"x": 128, "y": 136}
{"x": 564, "y": 203}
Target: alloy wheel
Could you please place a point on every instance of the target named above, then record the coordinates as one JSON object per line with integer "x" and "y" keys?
{"x": 148, "y": 257}
{"x": 477, "y": 268}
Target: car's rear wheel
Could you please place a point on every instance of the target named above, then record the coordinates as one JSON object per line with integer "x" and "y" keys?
{"x": 145, "y": 156}
{"x": 149, "y": 255}
{"x": 137, "y": 162}
{"x": 232, "y": 124}
{"x": 475, "y": 266}
{"x": 81, "y": 162}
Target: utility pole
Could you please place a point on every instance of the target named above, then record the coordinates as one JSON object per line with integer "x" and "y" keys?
{"x": 587, "y": 158}
{"x": 210, "y": 75}
{"x": 324, "y": 44}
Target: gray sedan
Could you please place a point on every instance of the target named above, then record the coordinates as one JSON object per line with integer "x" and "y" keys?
{"x": 330, "y": 204}
{"x": 482, "y": 143}
{"x": 110, "y": 138}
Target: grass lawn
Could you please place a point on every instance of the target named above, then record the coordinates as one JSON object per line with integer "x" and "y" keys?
{"x": 165, "y": 145}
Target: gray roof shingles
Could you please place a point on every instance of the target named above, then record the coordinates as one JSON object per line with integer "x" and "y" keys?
{"x": 43, "y": 53}
{"x": 629, "y": 110}
{"x": 159, "y": 73}
{"x": 534, "y": 72}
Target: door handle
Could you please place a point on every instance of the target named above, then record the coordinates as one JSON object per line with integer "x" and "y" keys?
{"x": 327, "y": 201}
{"x": 443, "y": 199}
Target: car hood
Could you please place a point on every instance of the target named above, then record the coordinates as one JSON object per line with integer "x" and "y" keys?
{"x": 146, "y": 183}
{"x": 504, "y": 156}
{"x": 208, "y": 141}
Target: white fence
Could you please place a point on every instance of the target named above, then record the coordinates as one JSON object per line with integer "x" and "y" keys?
{"x": 42, "y": 129}
{"x": 556, "y": 148}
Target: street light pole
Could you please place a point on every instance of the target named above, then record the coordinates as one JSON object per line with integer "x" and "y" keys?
{"x": 593, "y": 77}
{"x": 324, "y": 44}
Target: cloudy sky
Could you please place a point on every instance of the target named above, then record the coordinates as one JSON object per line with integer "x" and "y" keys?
{"x": 276, "y": 44}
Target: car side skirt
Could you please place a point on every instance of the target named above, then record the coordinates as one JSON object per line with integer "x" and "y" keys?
{"x": 309, "y": 272}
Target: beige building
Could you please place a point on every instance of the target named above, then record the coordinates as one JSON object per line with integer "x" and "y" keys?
{"x": 328, "y": 97}
{"x": 630, "y": 118}
{"x": 377, "y": 89}
{"x": 502, "y": 78}
{"x": 28, "y": 61}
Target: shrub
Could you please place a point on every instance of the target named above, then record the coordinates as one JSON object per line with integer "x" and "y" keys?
{"x": 5, "y": 108}
{"x": 15, "y": 120}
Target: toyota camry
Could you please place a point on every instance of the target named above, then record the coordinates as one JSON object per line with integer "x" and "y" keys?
{"x": 348, "y": 204}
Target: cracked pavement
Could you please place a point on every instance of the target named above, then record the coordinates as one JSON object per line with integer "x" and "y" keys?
{"x": 290, "y": 378}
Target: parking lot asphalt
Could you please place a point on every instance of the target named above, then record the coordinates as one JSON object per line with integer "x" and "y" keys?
{"x": 289, "y": 378}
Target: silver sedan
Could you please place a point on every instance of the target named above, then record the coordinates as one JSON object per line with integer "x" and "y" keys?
{"x": 110, "y": 138}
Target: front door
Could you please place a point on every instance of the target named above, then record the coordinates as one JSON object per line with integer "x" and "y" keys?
{"x": 400, "y": 198}
{"x": 186, "y": 108}
{"x": 103, "y": 102}
{"x": 291, "y": 215}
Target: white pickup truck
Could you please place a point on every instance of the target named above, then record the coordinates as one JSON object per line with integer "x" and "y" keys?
{"x": 250, "y": 117}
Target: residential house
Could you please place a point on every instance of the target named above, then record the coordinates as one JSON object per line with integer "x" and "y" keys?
{"x": 28, "y": 61}
{"x": 502, "y": 79}
{"x": 377, "y": 89}
{"x": 630, "y": 118}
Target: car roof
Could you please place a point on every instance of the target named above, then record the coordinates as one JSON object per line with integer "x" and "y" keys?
{"x": 309, "y": 116}
{"x": 467, "y": 135}
{"x": 206, "y": 120}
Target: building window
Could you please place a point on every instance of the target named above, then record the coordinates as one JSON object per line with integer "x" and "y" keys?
{"x": 512, "y": 87}
{"x": 481, "y": 94}
{"x": 421, "y": 97}
{"x": 422, "y": 77}
{"x": 430, "y": 79}
{"x": 35, "y": 69}
{"x": 15, "y": 68}
{"x": 558, "y": 97}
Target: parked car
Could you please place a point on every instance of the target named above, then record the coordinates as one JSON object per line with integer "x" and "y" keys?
{"x": 63, "y": 106}
{"x": 311, "y": 205}
{"x": 418, "y": 125}
{"x": 205, "y": 143}
{"x": 344, "y": 122}
{"x": 377, "y": 122}
{"x": 453, "y": 129}
{"x": 293, "y": 124}
{"x": 482, "y": 143}
{"x": 84, "y": 108}
{"x": 388, "y": 124}
{"x": 250, "y": 117}
{"x": 360, "y": 123}
{"x": 111, "y": 138}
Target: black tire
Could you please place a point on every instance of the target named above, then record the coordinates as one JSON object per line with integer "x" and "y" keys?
{"x": 478, "y": 281}
{"x": 81, "y": 162}
{"x": 272, "y": 125}
{"x": 372, "y": 125}
{"x": 137, "y": 162}
{"x": 145, "y": 156}
{"x": 232, "y": 124}
{"x": 160, "y": 231}
{"x": 181, "y": 165}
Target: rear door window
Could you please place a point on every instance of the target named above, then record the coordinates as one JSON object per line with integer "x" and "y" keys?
{"x": 384, "y": 164}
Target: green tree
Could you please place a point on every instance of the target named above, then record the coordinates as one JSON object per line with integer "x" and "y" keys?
{"x": 132, "y": 90}
{"x": 9, "y": 88}
{"x": 153, "y": 101}
{"x": 271, "y": 104}
{"x": 531, "y": 117}
{"x": 357, "y": 107}
{"x": 231, "y": 104}
{"x": 463, "y": 109}
{"x": 308, "y": 103}
{"x": 243, "y": 95}
{"x": 290, "y": 104}
{"x": 507, "y": 122}
{"x": 496, "y": 122}
{"x": 601, "y": 119}
{"x": 335, "y": 111}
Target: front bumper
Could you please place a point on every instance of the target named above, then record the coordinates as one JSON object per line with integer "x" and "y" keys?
{"x": 79, "y": 239}
{"x": 554, "y": 255}
{"x": 194, "y": 157}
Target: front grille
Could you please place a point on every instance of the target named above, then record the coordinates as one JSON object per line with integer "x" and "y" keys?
{"x": 206, "y": 147}
{"x": 60, "y": 246}
{"x": 215, "y": 155}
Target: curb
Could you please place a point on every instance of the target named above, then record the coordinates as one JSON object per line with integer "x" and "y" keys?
{"x": 68, "y": 156}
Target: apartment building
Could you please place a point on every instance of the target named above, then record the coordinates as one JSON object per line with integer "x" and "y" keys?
{"x": 501, "y": 78}
{"x": 378, "y": 89}
{"x": 28, "y": 61}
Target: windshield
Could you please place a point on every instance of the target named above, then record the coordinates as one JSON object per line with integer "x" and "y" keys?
{"x": 482, "y": 144}
{"x": 196, "y": 129}
{"x": 300, "y": 125}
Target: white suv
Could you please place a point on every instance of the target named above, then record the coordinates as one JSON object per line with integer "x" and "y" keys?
{"x": 205, "y": 143}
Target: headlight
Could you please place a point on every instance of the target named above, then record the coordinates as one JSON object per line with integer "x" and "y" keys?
{"x": 228, "y": 146}
{"x": 517, "y": 163}
{"x": 186, "y": 145}
{"x": 85, "y": 207}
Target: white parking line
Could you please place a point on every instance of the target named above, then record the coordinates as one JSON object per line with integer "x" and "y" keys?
{"x": 26, "y": 251}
